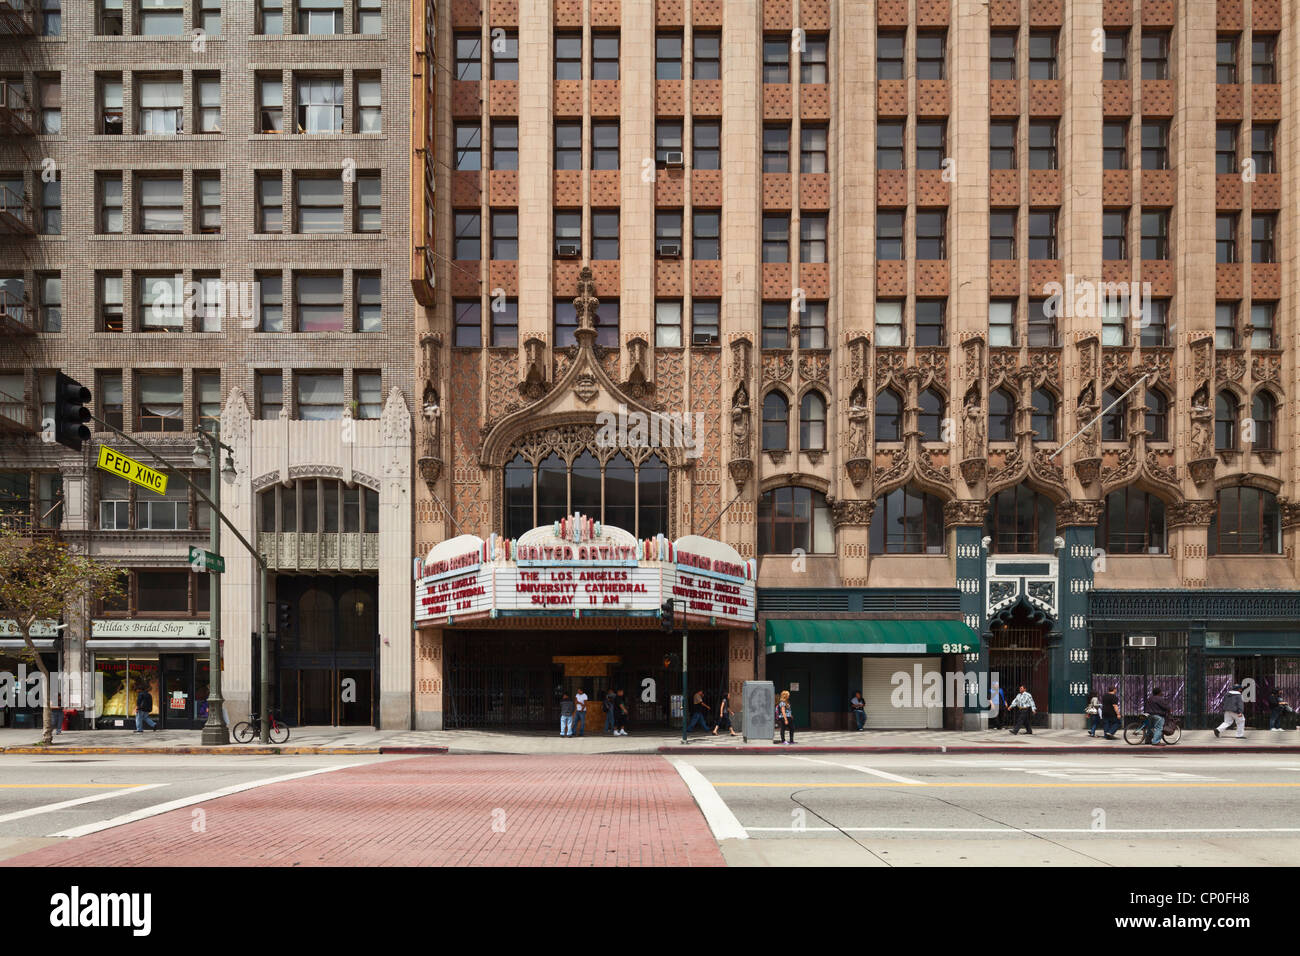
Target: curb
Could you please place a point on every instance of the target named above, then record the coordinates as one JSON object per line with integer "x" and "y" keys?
{"x": 234, "y": 750}
{"x": 1000, "y": 749}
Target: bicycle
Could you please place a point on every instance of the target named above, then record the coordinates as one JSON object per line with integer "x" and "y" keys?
{"x": 246, "y": 730}
{"x": 1138, "y": 731}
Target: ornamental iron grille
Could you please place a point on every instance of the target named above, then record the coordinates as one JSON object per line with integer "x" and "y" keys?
{"x": 1018, "y": 655}
{"x": 1136, "y": 671}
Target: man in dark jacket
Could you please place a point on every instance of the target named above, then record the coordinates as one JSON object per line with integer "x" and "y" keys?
{"x": 1158, "y": 708}
{"x": 1276, "y": 708}
{"x": 1110, "y": 716}
{"x": 1234, "y": 711}
{"x": 143, "y": 705}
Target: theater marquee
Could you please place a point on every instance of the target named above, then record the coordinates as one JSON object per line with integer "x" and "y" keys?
{"x": 578, "y": 567}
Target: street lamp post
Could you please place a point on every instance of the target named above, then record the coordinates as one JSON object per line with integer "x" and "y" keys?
{"x": 215, "y": 731}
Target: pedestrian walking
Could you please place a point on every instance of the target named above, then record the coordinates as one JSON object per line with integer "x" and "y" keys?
{"x": 1158, "y": 710}
{"x": 858, "y": 707}
{"x": 1234, "y": 711}
{"x": 998, "y": 706}
{"x": 143, "y": 705}
{"x": 724, "y": 717}
{"x": 580, "y": 712}
{"x": 620, "y": 715}
{"x": 1276, "y": 708}
{"x": 1110, "y": 714}
{"x": 700, "y": 712}
{"x": 566, "y": 716}
{"x": 1025, "y": 709}
{"x": 785, "y": 716}
{"x": 1093, "y": 713}
{"x": 611, "y": 707}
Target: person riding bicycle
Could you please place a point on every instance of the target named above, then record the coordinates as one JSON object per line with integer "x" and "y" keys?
{"x": 1158, "y": 711}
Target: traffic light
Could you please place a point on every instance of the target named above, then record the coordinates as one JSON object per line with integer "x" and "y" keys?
{"x": 666, "y": 615}
{"x": 283, "y": 617}
{"x": 70, "y": 412}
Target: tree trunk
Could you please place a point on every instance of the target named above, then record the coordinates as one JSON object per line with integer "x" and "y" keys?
{"x": 47, "y": 735}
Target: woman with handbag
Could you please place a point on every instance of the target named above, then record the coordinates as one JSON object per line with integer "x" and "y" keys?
{"x": 785, "y": 716}
{"x": 1093, "y": 713}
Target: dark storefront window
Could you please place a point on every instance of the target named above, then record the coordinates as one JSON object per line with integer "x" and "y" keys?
{"x": 791, "y": 519}
{"x": 1133, "y": 523}
{"x": 628, "y": 496}
{"x": 1021, "y": 521}
{"x": 907, "y": 521}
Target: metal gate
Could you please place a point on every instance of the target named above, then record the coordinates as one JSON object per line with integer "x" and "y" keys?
{"x": 1259, "y": 675}
{"x": 1138, "y": 670}
{"x": 1018, "y": 655}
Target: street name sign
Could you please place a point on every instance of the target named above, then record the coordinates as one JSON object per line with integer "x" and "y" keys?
{"x": 201, "y": 560}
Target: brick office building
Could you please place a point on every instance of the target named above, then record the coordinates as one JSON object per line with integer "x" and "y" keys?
{"x": 159, "y": 158}
{"x": 830, "y": 229}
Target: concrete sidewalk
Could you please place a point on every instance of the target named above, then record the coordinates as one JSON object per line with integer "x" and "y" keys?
{"x": 354, "y": 740}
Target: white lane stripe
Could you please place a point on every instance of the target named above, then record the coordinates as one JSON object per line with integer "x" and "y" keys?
{"x": 1013, "y": 831}
{"x": 49, "y": 807}
{"x": 189, "y": 801}
{"x": 717, "y": 814}
{"x": 848, "y": 766}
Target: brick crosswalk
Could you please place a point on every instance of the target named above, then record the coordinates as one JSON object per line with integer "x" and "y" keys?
{"x": 458, "y": 810}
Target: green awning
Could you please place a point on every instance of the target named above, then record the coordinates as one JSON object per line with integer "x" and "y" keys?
{"x": 871, "y": 637}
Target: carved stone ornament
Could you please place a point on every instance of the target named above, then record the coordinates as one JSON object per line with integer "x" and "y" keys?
{"x": 1087, "y": 470}
{"x": 895, "y": 470}
{"x": 740, "y": 422}
{"x": 964, "y": 511}
{"x": 1076, "y": 514}
{"x": 1202, "y": 470}
{"x": 1290, "y": 512}
{"x": 972, "y": 435}
{"x": 585, "y": 387}
{"x": 533, "y": 382}
{"x": 858, "y": 469}
{"x": 741, "y": 471}
{"x": 1190, "y": 512}
{"x": 973, "y": 470}
{"x": 854, "y": 512}
{"x": 430, "y": 470}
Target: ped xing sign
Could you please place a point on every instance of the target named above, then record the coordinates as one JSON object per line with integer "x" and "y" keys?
{"x": 132, "y": 470}
{"x": 201, "y": 560}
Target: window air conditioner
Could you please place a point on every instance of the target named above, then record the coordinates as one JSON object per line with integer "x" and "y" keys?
{"x": 674, "y": 159}
{"x": 670, "y": 250}
{"x": 568, "y": 250}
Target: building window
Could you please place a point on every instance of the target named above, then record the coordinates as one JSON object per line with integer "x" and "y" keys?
{"x": 1002, "y": 415}
{"x": 370, "y": 107}
{"x": 705, "y": 314}
{"x": 1002, "y": 234}
{"x": 369, "y": 302}
{"x": 707, "y": 62}
{"x": 568, "y": 56}
{"x": 505, "y": 145}
{"x": 115, "y": 503}
{"x": 604, "y": 56}
{"x": 270, "y": 395}
{"x": 776, "y": 237}
{"x": 794, "y": 519}
{"x": 1114, "y": 234}
{"x": 1114, "y": 421}
{"x": 1261, "y": 320}
{"x": 812, "y": 149}
{"x": 776, "y": 325}
{"x": 776, "y": 59}
{"x": 270, "y": 203}
{"x": 1002, "y": 144}
{"x": 320, "y": 396}
{"x": 161, "y": 403}
{"x": 668, "y": 233}
{"x": 1225, "y": 325}
{"x": 1246, "y": 523}
{"x": 1042, "y": 324}
{"x": 604, "y": 146}
{"x": 50, "y": 216}
{"x": 161, "y": 204}
{"x": 109, "y": 292}
{"x": 1155, "y": 234}
{"x": 51, "y": 93}
{"x": 812, "y": 237}
{"x": 320, "y": 104}
{"x": 568, "y": 145}
{"x": 604, "y": 234}
{"x": 889, "y": 234}
{"x": 110, "y": 399}
{"x": 270, "y": 19}
{"x": 706, "y": 234}
{"x": 1263, "y": 226}
{"x": 504, "y": 319}
{"x": 668, "y": 324}
{"x": 110, "y": 105}
{"x": 207, "y": 195}
{"x": 566, "y": 324}
{"x": 319, "y": 203}
{"x": 469, "y": 139}
{"x": 108, "y": 18}
{"x": 1042, "y": 145}
{"x": 890, "y": 152}
{"x": 776, "y": 148}
{"x": 668, "y": 56}
{"x": 162, "y": 303}
{"x": 207, "y": 102}
{"x": 1155, "y": 56}
{"x": 320, "y": 17}
{"x": 812, "y": 326}
{"x": 1114, "y": 65}
{"x": 319, "y": 300}
{"x": 929, "y": 417}
{"x": 907, "y": 521}
{"x": 1114, "y": 321}
{"x": 51, "y": 18}
{"x": 1263, "y": 411}
{"x": 1155, "y": 324}
{"x": 1225, "y": 149}
{"x": 466, "y": 242}
{"x": 889, "y": 416}
{"x": 931, "y": 234}
{"x": 157, "y": 18}
{"x": 1263, "y": 139}
{"x": 1155, "y": 145}
{"x": 889, "y": 323}
{"x": 1002, "y": 323}
{"x": 812, "y": 61}
{"x": 931, "y": 49}
{"x": 931, "y": 145}
{"x": 668, "y": 143}
{"x": 207, "y": 391}
{"x": 1263, "y": 58}
{"x": 505, "y": 235}
{"x": 1225, "y": 237}
{"x": 161, "y": 107}
{"x": 1225, "y": 59}
{"x": 776, "y": 422}
{"x": 270, "y": 302}
{"x": 1157, "y": 416}
{"x": 370, "y": 395}
{"x": 368, "y": 215}
{"x": 1020, "y": 521}
{"x": 1043, "y": 415}
{"x": 624, "y": 495}
{"x": 812, "y": 422}
{"x": 1002, "y": 56}
{"x": 1042, "y": 56}
{"x": 469, "y": 57}
{"x": 1114, "y": 146}
{"x": 1133, "y": 522}
{"x": 1042, "y": 234}
{"x": 890, "y": 48}
{"x": 370, "y": 17}
{"x": 1226, "y": 412}
{"x": 211, "y": 302}
{"x": 169, "y": 512}
{"x": 50, "y": 288}
{"x": 469, "y": 324}
{"x": 270, "y": 111}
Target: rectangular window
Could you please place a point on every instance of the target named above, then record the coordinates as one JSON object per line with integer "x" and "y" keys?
{"x": 1225, "y": 325}
{"x": 108, "y": 291}
{"x": 776, "y": 325}
{"x": 160, "y": 592}
{"x": 49, "y": 221}
{"x": 156, "y": 18}
{"x": 1262, "y": 315}
{"x": 604, "y": 56}
{"x": 108, "y": 18}
{"x": 566, "y": 323}
{"x": 169, "y": 512}
{"x": 369, "y": 302}
{"x": 320, "y": 17}
{"x": 812, "y": 61}
{"x": 1002, "y": 144}
{"x": 319, "y": 302}
{"x": 1155, "y": 56}
{"x": 706, "y": 242}
{"x": 1002, "y": 323}
{"x": 812, "y": 326}
{"x": 604, "y": 145}
{"x": 812, "y": 237}
{"x": 889, "y": 324}
{"x": 1042, "y": 145}
{"x": 1225, "y": 149}
{"x": 668, "y": 143}
{"x": 707, "y": 145}
{"x": 1114, "y": 321}
{"x": 207, "y": 104}
{"x": 812, "y": 149}
{"x": 370, "y": 17}
{"x": 505, "y": 145}
{"x": 776, "y": 59}
{"x": 931, "y": 51}
{"x": 110, "y": 400}
{"x": 468, "y": 320}
{"x": 568, "y": 56}
{"x": 890, "y": 48}
{"x": 776, "y": 149}
{"x": 207, "y": 391}
{"x": 1263, "y": 58}
{"x": 1155, "y": 234}
{"x": 1042, "y": 234}
{"x": 1042, "y": 56}
{"x": 469, "y": 148}
{"x": 1002, "y": 56}
{"x": 161, "y": 106}
{"x": 889, "y": 234}
{"x": 161, "y": 402}
{"x": 50, "y": 288}
{"x": 1114, "y": 64}
{"x": 1114, "y": 146}
{"x": 368, "y": 215}
{"x": 668, "y": 56}
{"x": 1263, "y": 140}
{"x": 466, "y": 243}
{"x": 270, "y": 395}
{"x": 211, "y": 302}
{"x": 320, "y": 104}
{"x": 604, "y": 234}
{"x": 931, "y": 234}
{"x": 370, "y": 395}
{"x": 1225, "y": 237}
{"x": 207, "y": 197}
{"x": 1002, "y": 234}
{"x": 889, "y": 146}
{"x": 931, "y": 144}
{"x": 776, "y": 237}
{"x": 568, "y": 145}
{"x": 705, "y": 314}
{"x": 1263, "y": 227}
{"x": 1114, "y": 234}
{"x": 668, "y": 324}
{"x": 207, "y": 17}
{"x": 568, "y": 233}
{"x": 370, "y": 107}
{"x": 930, "y": 322}
{"x": 319, "y": 204}
{"x": 51, "y": 18}
{"x": 469, "y": 57}
{"x": 1042, "y": 324}
{"x": 114, "y": 503}
{"x": 162, "y": 303}
{"x": 504, "y": 316}
{"x": 1155, "y": 145}
{"x": 270, "y": 105}
{"x": 1155, "y": 324}
{"x": 320, "y": 396}
{"x": 1225, "y": 59}
{"x": 668, "y": 233}
{"x": 505, "y": 235}
{"x": 270, "y": 17}
{"x": 110, "y": 105}
{"x": 270, "y": 202}
{"x": 51, "y": 93}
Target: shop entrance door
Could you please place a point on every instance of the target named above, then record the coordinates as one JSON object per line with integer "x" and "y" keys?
{"x": 177, "y": 706}
{"x": 1018, "y": 655}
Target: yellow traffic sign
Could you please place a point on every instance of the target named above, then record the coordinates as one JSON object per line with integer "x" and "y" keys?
{"x": 132, "y": 470}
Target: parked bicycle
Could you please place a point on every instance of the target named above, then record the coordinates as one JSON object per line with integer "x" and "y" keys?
{"x": 250, "y": 729}
{"x": 1138, "y": 731}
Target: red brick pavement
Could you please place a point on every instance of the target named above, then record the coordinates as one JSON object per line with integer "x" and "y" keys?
{"x": 624, "y": 810}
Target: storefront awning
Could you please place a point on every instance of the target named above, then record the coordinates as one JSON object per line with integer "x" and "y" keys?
{"x": 871, "y": 637}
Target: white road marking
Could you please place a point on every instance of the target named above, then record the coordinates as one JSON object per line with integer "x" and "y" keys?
{"x": 62, "y": 804}
{"x": 848, "y": 766}
{"x": 1013, "y": 831}
{"x": 717, "y": 814}
{"x": 1095, "y": 774}
{"x": 190, "y": 801}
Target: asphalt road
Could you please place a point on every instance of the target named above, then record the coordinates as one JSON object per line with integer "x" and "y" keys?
{"x": 1121, "y": 810}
